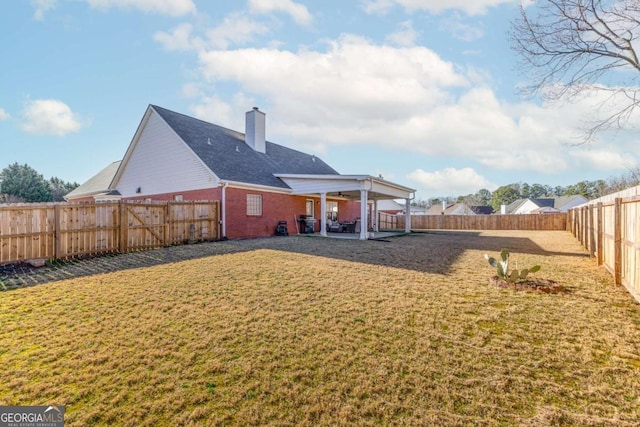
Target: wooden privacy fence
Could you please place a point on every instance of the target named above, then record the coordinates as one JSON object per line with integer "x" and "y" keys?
{"x": 55, "y": 231}
{"x": 610, "y": 231}
{"x": 551, "y": 222}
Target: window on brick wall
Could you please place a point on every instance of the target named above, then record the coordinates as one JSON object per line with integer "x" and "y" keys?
{"x": 332, "y": 211}
{"x": 309, "y": 208}
{"x": 254, "y": 204}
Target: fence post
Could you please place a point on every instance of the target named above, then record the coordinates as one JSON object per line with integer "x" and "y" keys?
{"x": 57, "y": 233}
{"x": 599, "y": 234}
{"x": 122, "y": 247}
{"x": 592, "y": 249}
{"x": 168, "y": 224}
{"x": 617, "y": 225}
{"x": 585, "y": 235}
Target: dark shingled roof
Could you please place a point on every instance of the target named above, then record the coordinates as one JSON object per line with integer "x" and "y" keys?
{"x": 544, "y": 202}
{"x": 225, "y": 152}
{"x": 482, "y": 210}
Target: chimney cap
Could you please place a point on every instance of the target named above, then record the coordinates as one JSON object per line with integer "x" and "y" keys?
{"x": 256, "y": 108}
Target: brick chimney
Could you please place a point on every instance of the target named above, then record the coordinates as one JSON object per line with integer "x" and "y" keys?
{"x": 255, "y": 130}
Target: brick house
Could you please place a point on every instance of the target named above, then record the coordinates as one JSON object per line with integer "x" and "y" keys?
{"x": 258, "y": 183}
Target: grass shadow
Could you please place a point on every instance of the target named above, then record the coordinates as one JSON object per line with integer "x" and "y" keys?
{"x": 432, "y": 252}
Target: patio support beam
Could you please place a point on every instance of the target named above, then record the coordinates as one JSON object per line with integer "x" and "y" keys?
{"x": 407, "y": 217}
{"x": 364, "y": 209}
{"x": 323, "y": 214}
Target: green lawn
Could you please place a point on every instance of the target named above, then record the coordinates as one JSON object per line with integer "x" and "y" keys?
{"x": 312, "y": 331}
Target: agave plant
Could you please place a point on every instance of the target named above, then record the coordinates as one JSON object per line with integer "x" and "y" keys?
{"x": 502, "y": 268}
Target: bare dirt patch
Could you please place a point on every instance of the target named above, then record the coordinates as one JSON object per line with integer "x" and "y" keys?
{"x": 310, "y": 331}
{"x": 546, "y": 286}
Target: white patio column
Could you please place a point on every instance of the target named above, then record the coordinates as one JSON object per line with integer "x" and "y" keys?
{"x": 375, "y": 216}
{"x": 407, "y": 217}
{"x": 323, "y": 214}
{"x": 364, "y": 210}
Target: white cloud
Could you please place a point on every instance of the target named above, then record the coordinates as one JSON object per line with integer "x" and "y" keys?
{"x": 456, "y": 26}
{"x": 355, "y": 92}
{"x": 605, "y": 159}
{"x": 298, "y": 12}
{"x": 450, "y": 181}
{"x": 213, "y": 109}
{"x": 42, "y": 6}
{"x": 49, "y": 117}
{"x": 406, "y": 36}
{"x": 379, "y": 7}
{"x": 236, "y": 29}
{"x": 4, "y": 115}
{"x": 164, "y": 7}
{"x": 369, "y": 82}
{"x": 180, "y": 38}
{"x": 470, "y": 7}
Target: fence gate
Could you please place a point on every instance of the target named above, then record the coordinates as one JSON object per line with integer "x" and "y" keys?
{"x": 145, "y": 226}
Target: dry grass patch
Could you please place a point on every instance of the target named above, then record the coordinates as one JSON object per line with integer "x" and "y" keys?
{"x": 309, "y": 331}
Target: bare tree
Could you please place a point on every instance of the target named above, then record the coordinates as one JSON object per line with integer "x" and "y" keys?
{"x": 573, "y": 48}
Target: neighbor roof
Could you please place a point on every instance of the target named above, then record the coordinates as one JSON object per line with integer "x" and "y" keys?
{"x": 482, "y": 209}
{"x": 99, "y": 183}
{"x": 562, "y": 201}
{"x": 225, "y": 152}
{"x": 546, "y": 202}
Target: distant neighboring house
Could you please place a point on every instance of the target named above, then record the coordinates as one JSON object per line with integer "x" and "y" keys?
{"x": 450, "y": 209}
{"x": 391, "y": 207}
{"x": 258, "y": 183}
{"x": 543, "y": 205}
{"x": 416, "y": 210}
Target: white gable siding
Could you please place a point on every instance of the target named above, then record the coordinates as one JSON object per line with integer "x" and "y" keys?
{"x": 162, "y": 163}
{"x": 526, "y": 208}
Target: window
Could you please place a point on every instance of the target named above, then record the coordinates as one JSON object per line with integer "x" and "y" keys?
{"x": 309, "y": 208}
{"x": 254, "y": 204}
{"x": 177, "y": 198}
{"x": 332, "y": 211}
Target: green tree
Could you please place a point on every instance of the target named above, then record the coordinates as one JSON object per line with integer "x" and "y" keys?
{"x": 503, "y": 196}
{"x": 483, "y": 197}
{"x": 24, "y": 182}
{"x": 538, "y": 190}
{"x": 588, "y": 189}
{"x": 60, "y": 188}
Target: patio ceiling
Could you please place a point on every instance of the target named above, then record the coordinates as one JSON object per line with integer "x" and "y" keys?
{"x": 346, "y": 186}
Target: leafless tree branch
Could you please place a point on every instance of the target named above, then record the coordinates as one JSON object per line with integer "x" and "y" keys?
{"x": 571, "y": 48}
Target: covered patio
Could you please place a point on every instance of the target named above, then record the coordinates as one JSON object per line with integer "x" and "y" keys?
{"x": 371, "y": 235}
{"x": 362, "y": 188}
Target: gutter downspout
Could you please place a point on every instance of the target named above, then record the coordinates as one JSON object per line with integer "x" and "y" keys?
{"x": 224, "y": 209}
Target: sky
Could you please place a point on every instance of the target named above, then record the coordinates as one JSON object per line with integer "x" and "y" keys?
{"x": 424, "y": 93}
